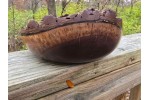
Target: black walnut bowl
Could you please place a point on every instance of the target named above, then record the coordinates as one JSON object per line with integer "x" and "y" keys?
{"x": 77, "y": 38}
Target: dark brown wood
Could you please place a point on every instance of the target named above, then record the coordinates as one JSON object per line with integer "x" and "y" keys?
{"x": 120, "y": 97}
{"x": 135, "y": 93}
{"x": 90, "y": 15}
{"x": 77, "y": 38}
{"x": 76, "y": 43}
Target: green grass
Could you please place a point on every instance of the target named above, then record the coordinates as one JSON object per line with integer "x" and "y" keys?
{"x": 21, "y": 19}
{"x": 131, "y": 20}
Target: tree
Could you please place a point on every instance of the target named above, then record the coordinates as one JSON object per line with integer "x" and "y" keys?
{"x": 64, "y": 4}
{"x": 117, "y": 5}
{"x": 34, "y": 6}
{"x": 51, "y": 7}
{"x": 78, "y": 2}
{"x": 101, "y": 4}
{"x": 104, "y": 4}
{"x": 13, "y": 17}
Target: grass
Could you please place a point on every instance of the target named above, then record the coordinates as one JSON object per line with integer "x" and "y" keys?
{"x": 131, "y": 19}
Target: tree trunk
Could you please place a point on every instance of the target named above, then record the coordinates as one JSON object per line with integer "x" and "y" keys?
{"x": 51, "y": 7}
{"x": 34, "y": 6}
{"x": 117, "y": 5}
{"x": 78, "y": 2}
{"x": 14, "y": 18}
{"x": 98, "y": 5}
{"x": 131, "y": 5}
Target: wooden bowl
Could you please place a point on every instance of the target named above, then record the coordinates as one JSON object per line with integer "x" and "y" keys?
{"x": 76, "y": 42}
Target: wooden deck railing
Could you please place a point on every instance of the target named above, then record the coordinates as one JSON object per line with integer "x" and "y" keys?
{"x": 115, "y": 77}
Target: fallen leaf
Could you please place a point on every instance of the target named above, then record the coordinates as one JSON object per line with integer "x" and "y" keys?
{"x": 69, "y": 83}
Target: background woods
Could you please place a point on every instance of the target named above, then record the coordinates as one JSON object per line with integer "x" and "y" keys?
{"x": 20, "y": 11}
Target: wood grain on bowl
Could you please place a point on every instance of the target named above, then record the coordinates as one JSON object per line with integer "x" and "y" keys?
{"x": 75, "y": 41}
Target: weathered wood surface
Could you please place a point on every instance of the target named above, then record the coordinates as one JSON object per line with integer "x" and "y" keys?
{"x": 104, "y": 87}
{"x": 31, "y": 77}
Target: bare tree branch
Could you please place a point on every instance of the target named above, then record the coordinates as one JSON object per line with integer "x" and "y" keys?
{"x": 78, "y": 2}
{"x": 106, "y": 2}
{"x": 34, "y": 6}
{"x": 117, "y": 5}
{"x": 64, "y": 4}
{"x": 13, "y": 15}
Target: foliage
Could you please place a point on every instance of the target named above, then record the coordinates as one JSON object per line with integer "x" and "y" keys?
{"x": 131, "y": 19}
{"x": 20, "y": 19}
{"x": 40, "y": 13}
{"x": 75, "y": 8}
{"x": 15, "y": 24}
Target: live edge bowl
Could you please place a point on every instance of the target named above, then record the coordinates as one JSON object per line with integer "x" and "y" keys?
{"x": 77, "y": 38}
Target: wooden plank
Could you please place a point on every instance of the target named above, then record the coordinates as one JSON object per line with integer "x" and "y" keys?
{"x": 135, "y": 93}
{"x": 122, "y": 87}
{"x": 30, "y": 76}
{"x": 104, "y": 87}
{"x": 120, "y": 97}
{"x": 124, "y": 96}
